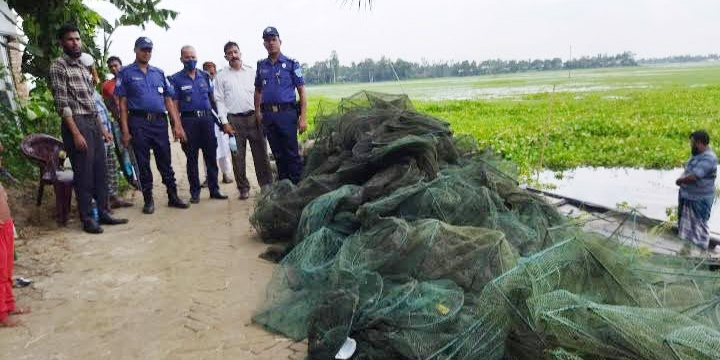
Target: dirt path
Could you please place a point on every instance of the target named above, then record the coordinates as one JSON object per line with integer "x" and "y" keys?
{"x": 178, "y": 284}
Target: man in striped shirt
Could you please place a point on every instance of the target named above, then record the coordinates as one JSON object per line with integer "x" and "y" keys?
{"x": 82, "y": 132}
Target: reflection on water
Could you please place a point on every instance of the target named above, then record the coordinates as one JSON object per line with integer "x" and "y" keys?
{"x": 651, "y": 191}
{"x": 487, "y": 93}
{"x": 466, "y": 90}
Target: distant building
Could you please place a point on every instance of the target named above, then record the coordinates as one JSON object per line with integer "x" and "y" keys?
{"x": 12, "y": 85}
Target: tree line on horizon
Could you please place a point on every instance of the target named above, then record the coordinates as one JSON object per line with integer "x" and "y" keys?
{"x": 330, "y": 71}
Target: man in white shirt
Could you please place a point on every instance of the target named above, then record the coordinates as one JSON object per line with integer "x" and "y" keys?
{"x": 234, "y": 96}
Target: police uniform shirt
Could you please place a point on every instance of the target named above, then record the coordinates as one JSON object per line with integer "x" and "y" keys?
{"x": 278, "y": 81}
{"x": 144, "y": 91}
{"x": 193, "y": 94}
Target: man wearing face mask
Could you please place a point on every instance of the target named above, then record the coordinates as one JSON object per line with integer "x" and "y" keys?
{"x": 194, "y": 98}
{"x": 145, "y": 95}
{"x": 82, "y": 133}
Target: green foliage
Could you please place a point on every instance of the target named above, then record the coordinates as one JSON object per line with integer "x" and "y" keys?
{"x": 330, "y": 71}
{"x": 635, "y": 128}
{"x": 646, "y": 128}
{"x": 42, "y": 19}
{"x": 37, "y": 115}
{"x": 637, "y": 117}
{"x": 141, "y": 12}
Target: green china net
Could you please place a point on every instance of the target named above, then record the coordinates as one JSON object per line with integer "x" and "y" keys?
{"x": 419, "y": 246}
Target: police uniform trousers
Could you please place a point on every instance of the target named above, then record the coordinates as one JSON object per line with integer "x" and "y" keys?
{"x": 281, "y": 131}
{"x": 247, "y": 130}
{"x": 152, "y": 134}
{"x": 200, "y": 136}
{"x": 89, "y": 168}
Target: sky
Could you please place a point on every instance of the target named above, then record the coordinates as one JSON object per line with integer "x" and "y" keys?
{"x": 427, "y": 30}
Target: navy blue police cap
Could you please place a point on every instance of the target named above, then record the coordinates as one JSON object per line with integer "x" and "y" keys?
{"x": 270, "y": 31}
{"x": 143, "y": 43}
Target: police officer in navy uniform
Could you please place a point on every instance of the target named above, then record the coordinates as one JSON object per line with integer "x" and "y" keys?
{"x": 145, "y": 95}
{"x": 194, "y": 97}
{"x": 276, "y": 80}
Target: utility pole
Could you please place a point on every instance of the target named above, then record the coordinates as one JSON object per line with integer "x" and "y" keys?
{"x": 570, "y": 63}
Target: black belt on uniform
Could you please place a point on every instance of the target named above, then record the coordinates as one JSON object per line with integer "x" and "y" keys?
{"x": 196, "y": 113}
{"x": 245, "y": 114}
{"x": 146, "y": 114}
{"x": 278, "y": 107}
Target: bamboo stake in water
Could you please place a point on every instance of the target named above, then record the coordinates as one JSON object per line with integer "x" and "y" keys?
{"x": 547, "y": 133}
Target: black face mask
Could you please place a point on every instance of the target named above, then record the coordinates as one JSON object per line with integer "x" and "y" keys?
{"x": 71, "y": 53}
{"x": 695, "y": 150}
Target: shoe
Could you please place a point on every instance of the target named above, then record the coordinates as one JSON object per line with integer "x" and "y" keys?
{"x": 244, "y": 194}
{"x": 106, "y": 219}
{"x": 92, "y": 227}
{"x": 194, "y": 199}
{"x": 117, "y": 202}
{"x": 174, "y": 201}
{"x": 218, "y": 195}
{"x": 204, "y": 184}
{"x": 226, "y": 179}
{"x": 21, "y": 282}
{"x": 149, "y": 207}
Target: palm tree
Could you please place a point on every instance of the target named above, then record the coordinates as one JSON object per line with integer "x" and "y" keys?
{"x": 360, "y": 3}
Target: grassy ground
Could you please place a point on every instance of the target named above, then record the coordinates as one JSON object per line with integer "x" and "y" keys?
{"x": 634, "y": 117}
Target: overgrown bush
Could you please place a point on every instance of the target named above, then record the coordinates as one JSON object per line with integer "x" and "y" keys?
{"x": 36, "y": 115}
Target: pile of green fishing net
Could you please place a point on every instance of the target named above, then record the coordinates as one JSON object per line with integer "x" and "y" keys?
{"x": 417, "y": 245}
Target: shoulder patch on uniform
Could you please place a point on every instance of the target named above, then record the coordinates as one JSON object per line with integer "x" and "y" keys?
{"x": 298, "y": 72}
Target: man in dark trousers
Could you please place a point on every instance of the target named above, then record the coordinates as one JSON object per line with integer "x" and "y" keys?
{"x": 194, "y": 98}
{"x": 235, "y": 101}
{"x": 276, "y": 80}
{"x": 145, "y": 95}
{"x": 82, "y": 133}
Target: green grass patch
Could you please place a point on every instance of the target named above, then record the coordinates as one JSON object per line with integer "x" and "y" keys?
{"x": 620, "y": 125}
{"x": 630, "y": 128}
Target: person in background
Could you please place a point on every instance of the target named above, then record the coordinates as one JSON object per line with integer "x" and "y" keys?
{"x": 111, "y": 163}
{"x": 82, "y": 133}
{"x": 223, "y": 148}
{"x": 234, "y": 98}
{"x": 276, "y": 80}
{"x": 145, "y": 94}
{"x": 114, "y": 199}
{"x": 7, "y": 251}
{"x": 108, "y": 87}
{"x": 194, "y": 98}
{"x": 697, "y": 191}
